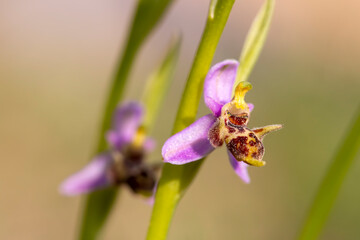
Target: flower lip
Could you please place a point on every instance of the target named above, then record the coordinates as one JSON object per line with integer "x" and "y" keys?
{"x": 143, "y": 182}
{"x": 238, "y": 120}
{"x": 236, "y": 116}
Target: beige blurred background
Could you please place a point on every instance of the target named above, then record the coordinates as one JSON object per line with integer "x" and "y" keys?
{"x": 56, "y": 62}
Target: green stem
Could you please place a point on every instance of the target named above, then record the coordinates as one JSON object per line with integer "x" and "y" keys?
{"x": 175, "y": 179}
{"x": 255, "y": 41}
{"x": 332, "y": 182}
{"x": 158, "y": 84}
{"x": 98, "y": 204}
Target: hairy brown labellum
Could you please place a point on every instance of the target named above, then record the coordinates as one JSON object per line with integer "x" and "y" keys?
{"x": 214, "y": 135}
{"x": 245, "y": 146}
{"x": 131, "y": 170}
{"x": 243, "y": 143}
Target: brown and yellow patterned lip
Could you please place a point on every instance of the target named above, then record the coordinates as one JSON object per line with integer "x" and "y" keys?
{"x": 247, "y": 147}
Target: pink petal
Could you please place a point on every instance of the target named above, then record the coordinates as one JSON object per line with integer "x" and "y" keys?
{"x": 218, "y": 85}
{"x": 251, "y": 106}
{"x": 240, "y": 168}
{"x": 149, "y": 144}
{"x": 92, "y": 177}
{"x": 126, "y": 121}
{"x": 190, "y": 144}
{"x": 151, "y": 200}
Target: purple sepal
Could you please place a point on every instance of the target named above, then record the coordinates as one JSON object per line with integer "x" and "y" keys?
{"x": 92, "y": 177}
{"x": 149, "y": 144}
{"x": 251, "y": 107}
{"x": 190, "y": 144}
{"x": 240, "y": 168}
{"x": 126, "y": 121}
{"x": 151, "y": 200}
{"x": 219, "y": 84}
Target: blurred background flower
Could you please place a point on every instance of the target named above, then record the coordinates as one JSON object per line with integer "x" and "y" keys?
{"x": 125, "y": 161}
{"x": 57, "y": 59}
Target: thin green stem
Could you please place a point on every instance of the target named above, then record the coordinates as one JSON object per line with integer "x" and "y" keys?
{"x": 158, "y": 84}
{"x": 255, "y": 41}
{"x": 98, "y": 205}
{"x": 175, "y": 179}
{"x": 332, "y": 182}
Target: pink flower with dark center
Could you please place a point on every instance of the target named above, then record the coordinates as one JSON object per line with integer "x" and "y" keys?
{"x": 226, "y": 124}
{"x": 123, "y": 163}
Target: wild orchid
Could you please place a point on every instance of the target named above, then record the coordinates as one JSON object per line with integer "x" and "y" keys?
{"x": 227, "y": 124}
{"x": 123, "y": 163}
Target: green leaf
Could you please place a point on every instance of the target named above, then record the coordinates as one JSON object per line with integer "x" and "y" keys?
{"x": 332, "y": 182}
{"x": 147, "y": 15}
{"x": 158, "y": 84}
{"x": 175, "y": 179}
{"x": 97, "y": 208}
{"x": 255, "y": 40}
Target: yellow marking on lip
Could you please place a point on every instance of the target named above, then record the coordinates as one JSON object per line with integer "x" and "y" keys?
{"x": 254, "y": 162}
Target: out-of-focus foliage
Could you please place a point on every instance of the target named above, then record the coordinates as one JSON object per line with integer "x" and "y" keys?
{"x": 147, "y": 15}
{"x": 158, "y": 84}
{"x": 254, "y": 42}
{"x": 333, "y": 180}
{"x": 55, "y": 62}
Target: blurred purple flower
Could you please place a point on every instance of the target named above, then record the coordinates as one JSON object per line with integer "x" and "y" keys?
{"x": 227, "y": 123}
{"x": 123, "y": 163}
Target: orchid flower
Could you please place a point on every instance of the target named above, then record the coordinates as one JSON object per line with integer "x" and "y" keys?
{"x": 227, "y": 123}
{"x": 123, "y": 163}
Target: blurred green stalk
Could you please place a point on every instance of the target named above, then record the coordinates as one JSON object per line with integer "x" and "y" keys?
{"x": 332, "y": 182}
{"x": 158, "y": 84}
{"x": 98, "y": 204}
{"x": 254, "y": 42}
{"x": 175, "y": 179}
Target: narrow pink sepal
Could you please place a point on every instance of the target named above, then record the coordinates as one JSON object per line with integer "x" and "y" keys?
{"x": 190, "y": 144}
{"x": 240, "y": 168}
